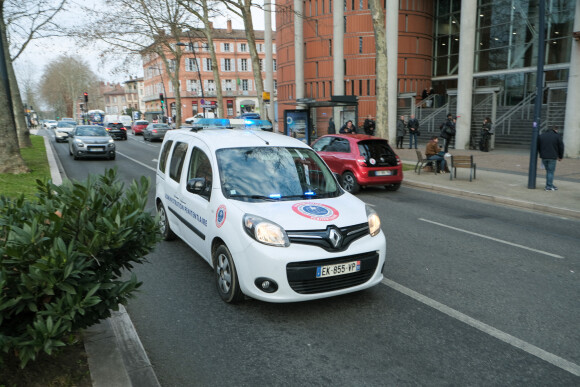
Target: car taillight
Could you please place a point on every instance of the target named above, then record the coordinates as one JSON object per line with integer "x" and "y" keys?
{"x": 154, "y": 130}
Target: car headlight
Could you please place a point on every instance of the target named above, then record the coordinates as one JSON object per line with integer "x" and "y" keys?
{"x": 79, "y": 143}
{"x": 374, "y": 221}
{"x": 265, "y": 231}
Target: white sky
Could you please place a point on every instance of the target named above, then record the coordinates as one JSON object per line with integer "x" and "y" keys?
{"x": 41, "y": 51}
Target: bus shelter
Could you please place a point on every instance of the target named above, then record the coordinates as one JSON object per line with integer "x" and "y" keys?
{"x": 317, "y": 118}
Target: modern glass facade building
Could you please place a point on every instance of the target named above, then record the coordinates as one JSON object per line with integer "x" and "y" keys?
{"x": 506, "y": 45}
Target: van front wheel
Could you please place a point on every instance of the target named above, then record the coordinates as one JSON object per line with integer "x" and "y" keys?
{"x": 226, "y": 276}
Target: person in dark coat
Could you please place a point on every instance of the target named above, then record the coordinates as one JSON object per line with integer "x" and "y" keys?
{"x": 348, "y": 128}
{"x": 401, "y": 130}
{"x": 331, "y": 127}
{"x": 448, "y": 131}
{"x": 369, "y": 126}
{"x": 551, "y": 148}
{"x": 413, "y": 126}
{"x": 486, "y": 132}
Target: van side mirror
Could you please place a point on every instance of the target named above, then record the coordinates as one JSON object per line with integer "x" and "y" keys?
{"x": 196, "y": 185}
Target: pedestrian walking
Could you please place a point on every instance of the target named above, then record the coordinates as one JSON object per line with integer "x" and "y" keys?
{"x": 413, "y": 126}
{"x": 447, "y": 131}
{"x": 551, "y": 148}
{"x": 401, "y": 130}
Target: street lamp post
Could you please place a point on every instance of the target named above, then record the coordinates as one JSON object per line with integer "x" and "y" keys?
{"x": 197, "y": 67}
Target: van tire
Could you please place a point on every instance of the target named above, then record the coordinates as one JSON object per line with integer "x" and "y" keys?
{"x": 226, "y": 276}
{"x": 166, "y": 233}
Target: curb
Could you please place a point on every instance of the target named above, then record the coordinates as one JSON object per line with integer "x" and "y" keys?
{"x": 565, "y": 212}
{"x": 116, "y": 355}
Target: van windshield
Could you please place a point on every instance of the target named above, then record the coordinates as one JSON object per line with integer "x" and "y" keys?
{"x": 274, "y": 173}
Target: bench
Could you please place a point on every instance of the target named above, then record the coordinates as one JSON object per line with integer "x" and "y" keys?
{"x": 462, "y": 162}
{"x": 423, "y": 161}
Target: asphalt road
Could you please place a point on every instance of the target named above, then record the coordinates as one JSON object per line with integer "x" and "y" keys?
{"x": 474, "y": 294}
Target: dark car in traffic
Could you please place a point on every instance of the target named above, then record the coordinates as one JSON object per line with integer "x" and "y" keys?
{"x": 155, "y": 131}
{"x": 91, "y": 141}
{"x": 361, "y": 160}
{"x": 117, "y": 130}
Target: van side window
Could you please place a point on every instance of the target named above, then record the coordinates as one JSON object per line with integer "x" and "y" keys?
{"x": 164, "y": 155}
{"x": 177, "y": 158}
{"x": 200, "y": 166}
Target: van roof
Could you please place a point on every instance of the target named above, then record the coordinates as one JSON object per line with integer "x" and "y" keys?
{"x": 228, "y": 138}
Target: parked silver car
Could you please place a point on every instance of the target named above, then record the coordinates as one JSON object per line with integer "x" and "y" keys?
{"x": 155, "y": 131}
{"x": 91, "y": 141}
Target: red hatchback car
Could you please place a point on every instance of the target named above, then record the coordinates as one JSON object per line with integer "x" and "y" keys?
{"x": 138, "y": 127}
{"x": 361, "y": 160}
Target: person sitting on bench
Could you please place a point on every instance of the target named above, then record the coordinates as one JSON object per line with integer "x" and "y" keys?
{"x": 433, "y": 152}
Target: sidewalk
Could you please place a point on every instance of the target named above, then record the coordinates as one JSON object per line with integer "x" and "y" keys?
{"x": 502, "y": 178}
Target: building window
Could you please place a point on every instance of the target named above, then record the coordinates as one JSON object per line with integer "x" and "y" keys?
{"x": 228, "y": 85}
{"x": 226, "y": 47}
{"x": 274, "y": 63}
{"x": 243, "y": 47}
{"x": 190, "y": 64}
{"x": 210, "y": 85}
{"x": 243, "y": 65}
{"x": 244, "y": 84}
{"x": 360, "y": 45}
{"x": 360, "y": 4}
{"x": 261, "y": 62}
{"x": 207, "y": 65}
{"x": 227, "y": 64}
{"x": 330, "y": 47}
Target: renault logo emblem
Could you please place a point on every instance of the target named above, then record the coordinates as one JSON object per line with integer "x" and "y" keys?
{"x": 334, "y": 237}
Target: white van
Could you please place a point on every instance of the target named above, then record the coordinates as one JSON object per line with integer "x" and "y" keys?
{"x": 267, "y": 214}
{"x": 116, "y": 118}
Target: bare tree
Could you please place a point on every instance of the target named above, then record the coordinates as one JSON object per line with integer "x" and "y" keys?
{"x": 137, "y": 28}
{"x": 63, "y": 83}
{"x": 25, "y": 21}
{"x": 243, "y": 9}
{"x": 10, "y": 158}
{"x": 203, "y": 11}
{"x": 378, "y": 17}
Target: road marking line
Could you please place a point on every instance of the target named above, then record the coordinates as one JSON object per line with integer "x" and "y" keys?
{"x": 500, "y": 335}
{"x": 493, "y": 239}
{"x": 137, "y": 161}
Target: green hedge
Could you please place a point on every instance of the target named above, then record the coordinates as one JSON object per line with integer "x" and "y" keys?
{"x": 62, "y": 258}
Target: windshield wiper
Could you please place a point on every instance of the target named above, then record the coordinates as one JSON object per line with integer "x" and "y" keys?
{"x": 261, "y": 197}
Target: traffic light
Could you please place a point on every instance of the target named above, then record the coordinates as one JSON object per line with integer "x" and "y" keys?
{"x": 86, "y": 96}
{"x": 162, "y": 99}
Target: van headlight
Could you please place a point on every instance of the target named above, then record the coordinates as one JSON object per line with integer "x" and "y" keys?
{"x": 265, "y": 231}
{"x": 374, "y": 221}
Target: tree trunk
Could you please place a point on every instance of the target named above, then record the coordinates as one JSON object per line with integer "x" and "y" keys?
{"x": 10, "y": 159}
{"x": 378, "y": 16}
{"x": 19, "y": 118}
{"x": 215, "y": 69}
{"x": 251, "y": 37}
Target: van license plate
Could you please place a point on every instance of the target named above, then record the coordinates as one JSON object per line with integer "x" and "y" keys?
{"x": 337, "y": 269}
